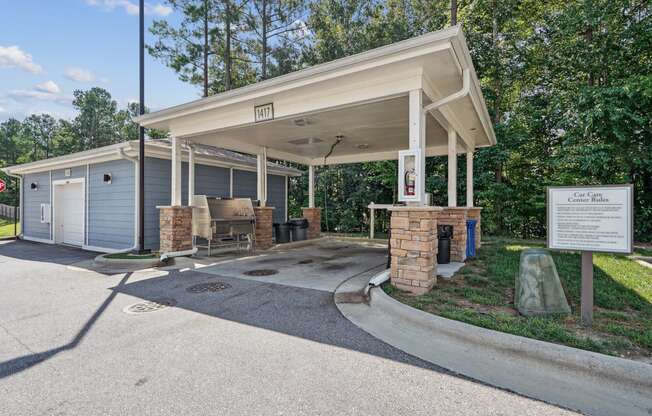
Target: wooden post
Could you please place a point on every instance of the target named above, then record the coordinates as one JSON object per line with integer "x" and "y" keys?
{"x": 372, "y": 221}
{"x": 176, "y": 173}
{"x": 452, "y": 167}
{"x": 311, "y": 186}
{"x": 587, "y": 288}
{"x": 191, "y": 175}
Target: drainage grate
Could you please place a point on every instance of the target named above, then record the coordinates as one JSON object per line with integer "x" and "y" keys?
{"x": 150, "y": 306}
{"x": 261, "y": 272}
{"x": 307, "y": 261}
{"x": 208, "y": 287}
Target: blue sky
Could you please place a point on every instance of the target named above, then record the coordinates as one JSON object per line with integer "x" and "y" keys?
{"x": 49, "y": 48}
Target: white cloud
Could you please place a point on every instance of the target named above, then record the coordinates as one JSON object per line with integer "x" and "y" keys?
{"x": 14, "y": 57}
{"x": 2, "y": 110}
{"x": 48, "y": 87}
{"x": 131, "y": 7}
{"x": 20, "y": 95}
{"x": 79, "y": 74}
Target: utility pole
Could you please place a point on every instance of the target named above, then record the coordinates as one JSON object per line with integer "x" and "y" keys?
{"x": 141, "y": 134}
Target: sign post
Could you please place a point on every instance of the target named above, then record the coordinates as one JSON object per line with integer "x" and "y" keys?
{"x": 590, "y": 219}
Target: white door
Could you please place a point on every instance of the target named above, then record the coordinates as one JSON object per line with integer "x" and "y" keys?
{"x": 70, "y": 213}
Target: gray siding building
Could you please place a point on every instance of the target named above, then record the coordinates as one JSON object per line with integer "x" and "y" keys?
{"x": 107, "y": 189}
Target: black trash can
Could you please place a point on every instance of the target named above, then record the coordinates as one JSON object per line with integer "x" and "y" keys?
{"x": 444, "y": 236}
{"x": 283, "y": 233}
{"x": 299, "y": 228}
{"x": 275, "y": 231}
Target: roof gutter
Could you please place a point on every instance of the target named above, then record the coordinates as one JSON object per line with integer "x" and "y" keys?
{"x": 123, "y": 155}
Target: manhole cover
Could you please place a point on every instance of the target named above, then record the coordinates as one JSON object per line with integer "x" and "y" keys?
{"x": 208, "y": 287}
{"x": 261, "y": 272}
{"x": 307, "y": 261}
{"x": 150, "y": 306}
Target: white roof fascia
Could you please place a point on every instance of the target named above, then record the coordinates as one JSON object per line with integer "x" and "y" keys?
{"x": 349, "y": 64}
{"x": 101, "y": 154}
{"x": 459, "y": 46}
{"x": 112, "y": 152}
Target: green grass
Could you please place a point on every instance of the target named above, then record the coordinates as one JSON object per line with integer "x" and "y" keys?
{"x": 7, "y": 227}
{"x": 130, "y": 256}
{"x": 482, "y": 293}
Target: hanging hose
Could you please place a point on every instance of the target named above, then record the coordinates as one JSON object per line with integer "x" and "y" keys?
{"x": 338, "y": 140}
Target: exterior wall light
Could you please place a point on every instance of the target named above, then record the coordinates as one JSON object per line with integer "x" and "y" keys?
{"x": 107, "y": 178}
{"x": 33, "y": 186}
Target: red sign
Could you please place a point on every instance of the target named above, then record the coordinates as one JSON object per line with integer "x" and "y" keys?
{"x": 3, "y": 185}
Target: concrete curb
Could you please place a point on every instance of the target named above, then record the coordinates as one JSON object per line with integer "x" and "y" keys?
{"x": 593, "y": 383}
{"x": 614, "y": 368}
{"x": 135, "y": 264}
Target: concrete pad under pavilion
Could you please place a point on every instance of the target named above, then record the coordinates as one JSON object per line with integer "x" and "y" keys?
{"x": 419, "y": 97}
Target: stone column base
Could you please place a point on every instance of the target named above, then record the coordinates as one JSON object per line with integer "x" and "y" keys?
{"x": 264, "y": 220}
{"x": 175, "y": 225}
{"x": 413, "y": 244}
{"x": 314, "y": 221}
{"x": 456, "y": 216}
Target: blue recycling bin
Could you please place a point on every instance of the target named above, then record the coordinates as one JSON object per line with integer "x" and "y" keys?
{"x": 470, "y": 237}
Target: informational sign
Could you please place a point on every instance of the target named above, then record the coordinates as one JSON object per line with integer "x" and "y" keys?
{"x": 264, "y": 112}
{"x": 591, "y": 218}
{"x": 3, "y": 186}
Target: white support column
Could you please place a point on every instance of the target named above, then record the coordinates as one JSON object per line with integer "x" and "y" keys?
{"x": 261, "y": 182}
{"x": 417, "y": 138}
{"x": 311, "y": 186}
{"x": 452, "y": 167}
{"x": 191, "y": 175}
{"x": 176, "y": 172}
{"x": 469, "y": 178}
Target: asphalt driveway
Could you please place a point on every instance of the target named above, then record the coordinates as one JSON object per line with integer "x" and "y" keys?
{"x": 71, "y": 342}
{"x": 322, "y": 265}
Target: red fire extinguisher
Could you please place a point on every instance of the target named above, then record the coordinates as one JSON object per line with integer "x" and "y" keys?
{"x": 410, "y": 182}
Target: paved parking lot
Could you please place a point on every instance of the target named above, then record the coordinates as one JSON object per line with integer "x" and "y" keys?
{"x": 226, "y": 346}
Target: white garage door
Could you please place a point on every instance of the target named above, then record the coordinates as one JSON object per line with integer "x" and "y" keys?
{"x": 69, "y": 213}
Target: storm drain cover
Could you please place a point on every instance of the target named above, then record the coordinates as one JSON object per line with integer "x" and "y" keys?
{"x": 261, "y": 272}
{"x": 307, "y": 261}
{"x": 150, "y": 306}
{"x": 208, "y": 287}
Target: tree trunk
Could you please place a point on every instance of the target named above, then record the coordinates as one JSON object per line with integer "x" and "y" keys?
{"x": 453, "y": 12}
{"x": 227, "y": 46}
{"x": 205, "y": 48}
{"x": 264, "y": 41}
{"x": 498, "y": 173}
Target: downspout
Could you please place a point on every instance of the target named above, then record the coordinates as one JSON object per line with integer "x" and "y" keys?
{"x": 123, "y": 155}
{"x": 466, "y": 88}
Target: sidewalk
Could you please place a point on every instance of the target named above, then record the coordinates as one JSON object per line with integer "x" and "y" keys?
{"x": 592, "y": 383}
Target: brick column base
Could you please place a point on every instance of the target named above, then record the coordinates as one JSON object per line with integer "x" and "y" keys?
{"x": 456, "y": 216}
{"x": 313, "y": 215}
{"x": 413, "y": 244}
{"x": 175, "y": 225}
{"x": 264, "y": 227}
{"x": 474, "y": 214}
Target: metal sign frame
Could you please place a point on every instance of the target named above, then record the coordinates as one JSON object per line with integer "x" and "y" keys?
{"x": 630, "y": 218}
